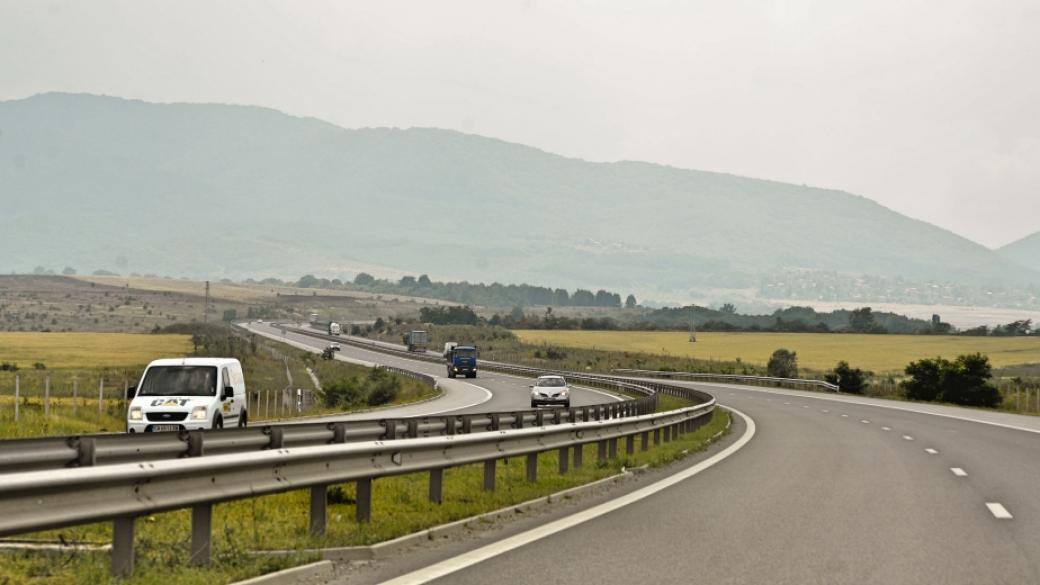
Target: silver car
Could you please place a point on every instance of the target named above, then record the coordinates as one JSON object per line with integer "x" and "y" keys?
{"x": 549, "y": 390}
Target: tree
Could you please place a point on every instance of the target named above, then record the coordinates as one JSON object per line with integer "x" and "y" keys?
{"x": 925, "y": 381}
{"x": 364, "y": 279}
{"x": 848, "y": 379}
{"x": 69, "y": 271}
{"x": 424, "y": 281}
{"x": 561, "y": 297}
{"x": 308, "y": 281}
{"x": 783, "y": 364}
{"x": 583, "y": 298}
{"x": 408, "y": 281}
{"x": 728, "y": 309}
{"x": 230, "y": 315}
{"x": 966, "y": 382}
{"x": 862, "y": 320}
{"x": 630, "y": 302}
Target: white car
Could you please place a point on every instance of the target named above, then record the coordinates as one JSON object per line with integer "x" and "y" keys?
{"x": 335, "y": 346}
{"x": 549, "y": 390}
{"x": 188, "y": 394}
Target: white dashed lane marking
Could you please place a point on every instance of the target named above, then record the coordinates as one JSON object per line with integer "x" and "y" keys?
{"x": 845, "y": 416}
{"x": 959, "y": 472}
{"x": 865, "y": 421}
{"x": 886, "y": 428}
{"x": 930, "y": 451}
{"x": 826, "y": 411}
{"x": 908, "y": 437}
{"x": 999, "y": 512}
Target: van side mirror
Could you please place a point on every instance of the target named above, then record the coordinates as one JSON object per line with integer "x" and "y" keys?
{"x": 131, "y": 392}
{"x": 229, "y": 392}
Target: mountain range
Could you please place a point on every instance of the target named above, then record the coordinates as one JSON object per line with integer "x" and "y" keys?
{"x": 207, "y": 190}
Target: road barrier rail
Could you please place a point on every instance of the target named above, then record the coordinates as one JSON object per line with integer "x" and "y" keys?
{"x": 793, "y": 383}
{"x": 39, "y": 500}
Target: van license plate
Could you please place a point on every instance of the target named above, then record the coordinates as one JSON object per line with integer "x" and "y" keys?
{"x": 158, "y": 428}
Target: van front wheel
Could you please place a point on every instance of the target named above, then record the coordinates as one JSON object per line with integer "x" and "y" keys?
{"x": 243, "y": 419}
{"x": 218, "y": 422}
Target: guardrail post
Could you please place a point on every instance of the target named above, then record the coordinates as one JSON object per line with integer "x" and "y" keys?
{"x": 339, "y": 432}
{"x": 557, "y": 416}
{"x": 579, "y": 451}
{"x": 277, "y": 438}
{"x": 391, "y": 429}
{"x": 319, "y": 509}
{"x": 195, "y": 447}
{"x": 612, "y": 448}
{"x": 657, "y": 436}
{"x": 489, "y": 475}
{"x": 87, "y": 452}
{"x": 539, "y": 418}
{"x": 495, "y": 421}
{"x": 585, "y": 414}
{"x": 363, "y": 513}
{"x": 532, "y": 467}
{"x": 413, "y": 428}
{"x": 630, "y": 444}
{"x": 564, "y": 457}
{"x": 467, "y": 424}
{"x": 644, "y": 441}
{"x": 518, "y": 420}
{"x": 437, "y": 485}
{"x": 201, "y": 534}
{"x": 601, "y": 451}
{"x": 123, "y": 546}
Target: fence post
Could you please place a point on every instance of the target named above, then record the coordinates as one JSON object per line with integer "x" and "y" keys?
{"x": 100, "y": 401}
{"x": 17, "y": 395}
{"x": 75, "y": 390}
{"x": 46, "y": 398}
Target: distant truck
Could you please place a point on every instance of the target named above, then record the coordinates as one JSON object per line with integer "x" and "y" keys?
{"x": 334, "y": 328}
{"x": 460, "y": 359}
{"x": 416, "y": 340}
{"x": 313, "y": 319}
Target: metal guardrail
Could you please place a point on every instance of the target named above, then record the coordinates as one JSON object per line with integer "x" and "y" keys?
{"x": 48, "y": 499}
{"x": 795, "y": 383}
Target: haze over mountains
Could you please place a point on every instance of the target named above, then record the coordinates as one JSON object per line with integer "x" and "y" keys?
{"x": 236, "y": 191}
{"x": 1025, "y": 252}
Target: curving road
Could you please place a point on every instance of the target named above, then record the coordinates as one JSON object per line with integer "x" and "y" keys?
{"x": 490, "y": 391}
{"x": 830, "y": 490}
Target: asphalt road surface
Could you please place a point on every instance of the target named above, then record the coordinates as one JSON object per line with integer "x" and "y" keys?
{"x": 830, "y": 490}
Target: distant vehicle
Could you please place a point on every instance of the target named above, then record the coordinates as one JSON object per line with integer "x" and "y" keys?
{"x": 313, "y": 319}
{"x": 461, "y": 359}
{"x": 334, "y": 328}
{"x": 329, "y": 353}
{"x": 188, "y": 394}
{"x": 449, "y": 346}
{"x": 550, "y": 390}
{"x": 259, "y": 320}
{"x": 335, "y": 346}
{"x": 416, "y": 340}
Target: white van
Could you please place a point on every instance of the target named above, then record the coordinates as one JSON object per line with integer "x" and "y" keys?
{"x": 188, "y": 394}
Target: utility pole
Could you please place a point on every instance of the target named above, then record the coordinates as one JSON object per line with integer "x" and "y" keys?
{"x": 205, "y": 310}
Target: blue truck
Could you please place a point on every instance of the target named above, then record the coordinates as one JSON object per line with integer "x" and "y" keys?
{"x": 460, "y": 359}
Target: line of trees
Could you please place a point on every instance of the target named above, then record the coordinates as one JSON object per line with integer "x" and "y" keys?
{"x": 492, "y": 295}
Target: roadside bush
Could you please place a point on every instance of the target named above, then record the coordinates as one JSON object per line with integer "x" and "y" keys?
{"x": 847, "y": 378}
{"x": 783, "y": 364}
{"x": 963, "y": 381}
{"x": 382, "y": 387}
{"x": 343, "y": 393}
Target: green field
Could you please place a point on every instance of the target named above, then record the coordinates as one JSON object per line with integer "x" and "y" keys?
{"x": 89, "y": 350}
{"x": 818, "y": 351}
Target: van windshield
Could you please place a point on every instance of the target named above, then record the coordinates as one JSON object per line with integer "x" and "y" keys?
{"x": 179, "y": 381}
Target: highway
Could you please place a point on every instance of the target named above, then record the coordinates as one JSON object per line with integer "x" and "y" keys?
{"x": 830, "y": 489}
{"x": 490, "y": 391}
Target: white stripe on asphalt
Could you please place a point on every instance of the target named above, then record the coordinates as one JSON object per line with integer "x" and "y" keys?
{"x": 999, "y": 512}
{"x": 845, "y": 415}
{"x": 908, "y": 437}
{"x": 959, "y": 472}
{"x": 865, "y": 421}
{"x": 825, "y": 411}
{"x": 930, "y": 451}
{"x": 886, "y": 428}
{"x": 465, "y": 560}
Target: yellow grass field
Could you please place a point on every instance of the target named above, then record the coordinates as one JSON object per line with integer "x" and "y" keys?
{"x": 89, "y": 350}
{"x": 818, "y": 351}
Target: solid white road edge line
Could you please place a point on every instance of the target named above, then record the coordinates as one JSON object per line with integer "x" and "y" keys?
{"x": 455, "y": 564}
{"x": 999, "y": 512}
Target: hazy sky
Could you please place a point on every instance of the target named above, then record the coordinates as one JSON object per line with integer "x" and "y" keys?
{"x": 931, "y": 108}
